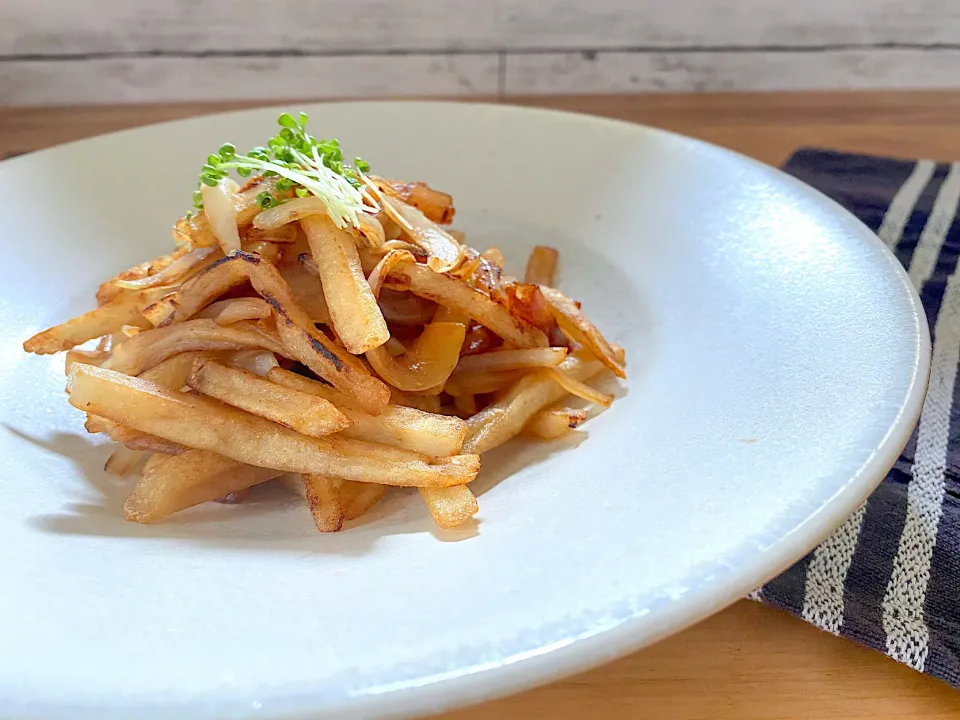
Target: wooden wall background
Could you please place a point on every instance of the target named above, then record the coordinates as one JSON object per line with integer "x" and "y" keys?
{"x": 112, "y": 51}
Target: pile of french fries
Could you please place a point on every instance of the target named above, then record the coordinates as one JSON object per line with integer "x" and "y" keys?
{"x": 344, "y": 360}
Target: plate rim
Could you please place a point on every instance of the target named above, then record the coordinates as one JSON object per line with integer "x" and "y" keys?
{"x": 480, "y": 683}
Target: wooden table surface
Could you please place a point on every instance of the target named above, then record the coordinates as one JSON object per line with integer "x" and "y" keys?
{"x": 749, "y": 662}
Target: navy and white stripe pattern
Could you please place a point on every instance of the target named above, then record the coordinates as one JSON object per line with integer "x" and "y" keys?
{"x": 889, "y": 577}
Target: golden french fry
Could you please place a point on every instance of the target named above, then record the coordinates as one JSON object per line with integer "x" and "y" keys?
{"x": 323, "y": 499}
{"x": 182, "y": 481}
{"x": 122, "y": 461}
{"x": 499, "y": 360}
{"x": 575, "y": 324}
{"x": 357, "y": 498}
{"x": 151, "y": 443}
{"x": 307, "y": 414}
{"x": 126, "y": 309}
{"x": 551, "y": 424}
{"x": 85, "y": 357}
{"x": 205, "y": 425}
{"x": 152, "y": 347}
{"x": 172, "y": 373}
{"x": 458, "y": 295}
{"x": 504, "y": 419}
{"x": 406, "y": 427}
{"x": 353, "y": 307}
{"x": 542, "y": 266}
{"x": 296, "y": 331}
{"x": 451, "y": 506}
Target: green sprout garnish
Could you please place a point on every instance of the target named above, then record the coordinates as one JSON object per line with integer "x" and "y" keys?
{"x": 305, "y": 165}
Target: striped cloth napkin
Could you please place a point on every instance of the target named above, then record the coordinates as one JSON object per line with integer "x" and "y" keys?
{"x": 889, "y": 577}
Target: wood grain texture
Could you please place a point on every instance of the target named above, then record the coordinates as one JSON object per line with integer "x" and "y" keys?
{"x": 160, "y": 79}
{"x": 120, "y": 51}
{"x": 718, "y": 71}
{"x": 749, "y": 662}
{"x": 57, "y": 27}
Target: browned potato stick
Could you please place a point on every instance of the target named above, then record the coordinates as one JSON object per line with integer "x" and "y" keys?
{"x": 151, "y": 443}
{"x": 542, "y": 266}
{"x": 323, "y": 500}
{"x": 427, "y": 363}
{"x": 300, "y": 338}
{"x": 350, "y": 300}
{"x": 504, "y": 419}
{"x": 313, "y": 349}
{"x": 498, "y": 360}
{"x": 579, "y": 389}
{"x": 85, "y": 357}
{"x": 457, "y": 295}
{"x": 182, "y": 481}
{"x": 575, "y": 324}
{"x": 307, "y": 414}
{"x": 357, "y": 498}
{"x": 405, "y": 427}
{"x": 122, "y": 461}
{"x": 551, "y": 424}
{"x": 306, "y": 288}
{"x": 172, "y": 373}
{"x": 200, "y": 290}
{"x": 480, "y": 383}
{"x": 123, "y": 310}
{"x": 227, "y": 312}
{"x": 202, "y": 424}
{"x": 152, "y": 347}
{"x": 153, "y": 462}
{"x": 451, "y": 506}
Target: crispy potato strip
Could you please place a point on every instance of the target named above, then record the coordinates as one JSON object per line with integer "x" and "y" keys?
{"x": 307, "y": 414}
{"x": 451, "y": 506}
{"x": 459, "y": 296}
{"x": 322, "y": 494}
{"x": 551, "y": 424}
{"x": 504, "y": 419}
{"x": 353, "y": 308}
{"x": 191, "y": 478}
{"x": 406, "y": 427}
{"x": 542, "y": 266}
{"x": 152, "y": 347}
{"x": 357, "y": 498}
{"x": 246, "y": 438}
{"x": 124, "y": 309}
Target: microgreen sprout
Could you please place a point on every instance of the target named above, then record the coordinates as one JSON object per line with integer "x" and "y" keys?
{"x": 304, "y": 165}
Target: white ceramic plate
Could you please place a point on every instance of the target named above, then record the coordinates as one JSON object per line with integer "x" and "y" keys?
{"x": 777, "y": 359}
